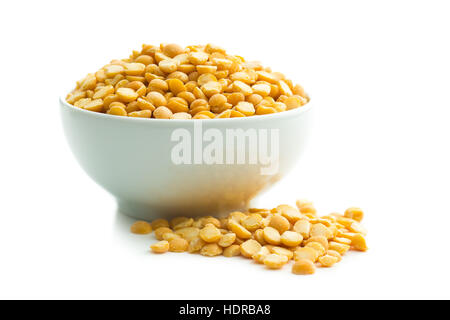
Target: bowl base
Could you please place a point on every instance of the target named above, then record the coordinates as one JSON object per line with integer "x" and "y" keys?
{"x": 139, "y": 211}
{"x": 149, "y": 213}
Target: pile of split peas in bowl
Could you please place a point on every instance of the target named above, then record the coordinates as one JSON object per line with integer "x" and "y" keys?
{"x": 194, "y": 82}
{"x": 271, "y": 237}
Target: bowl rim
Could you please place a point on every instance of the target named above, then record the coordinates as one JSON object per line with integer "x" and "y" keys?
{"x": 267, "y": 117}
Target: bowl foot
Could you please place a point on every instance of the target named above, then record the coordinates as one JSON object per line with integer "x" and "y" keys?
{"x": 147, "y": 212}
{"x": 139, "y": 211}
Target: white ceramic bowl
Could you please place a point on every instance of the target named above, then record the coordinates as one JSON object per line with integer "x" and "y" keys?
{"x": 131, "y": 159}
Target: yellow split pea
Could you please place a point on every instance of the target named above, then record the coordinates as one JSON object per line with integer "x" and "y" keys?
{"x": 303, "y": 267}
{"x": 275, "y": 261}
{"x": 141, "y": 227}
{"x": 210, "y": 233}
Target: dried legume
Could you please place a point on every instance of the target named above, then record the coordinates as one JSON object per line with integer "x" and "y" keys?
{"x": 141, "y": 227}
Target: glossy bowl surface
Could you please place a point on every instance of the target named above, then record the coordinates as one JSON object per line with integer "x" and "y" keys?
{"x": 132, "y": 158}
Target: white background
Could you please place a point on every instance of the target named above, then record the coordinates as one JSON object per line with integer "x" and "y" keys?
{"x": 378, "y": 73}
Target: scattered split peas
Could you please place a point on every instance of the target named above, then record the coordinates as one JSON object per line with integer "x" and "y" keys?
{"x": 270, "y": 237}
{"x": 195, "y": 82}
